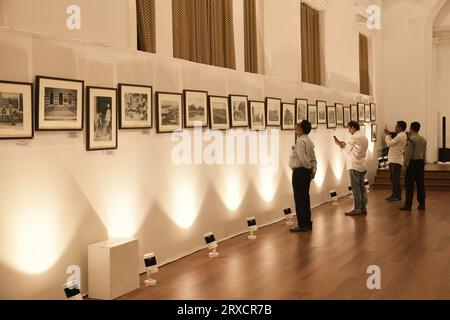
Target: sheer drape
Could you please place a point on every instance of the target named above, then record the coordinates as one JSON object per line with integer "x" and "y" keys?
{"x": 145, "y": 14}
{"x": 364, "y": 65}
{"x": 250, "y": 36}
{"x": 203, "y": 31}
{"x": 310, "y": 34}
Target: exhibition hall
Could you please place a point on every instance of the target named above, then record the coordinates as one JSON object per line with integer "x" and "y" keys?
{"x": 211, "y": 150}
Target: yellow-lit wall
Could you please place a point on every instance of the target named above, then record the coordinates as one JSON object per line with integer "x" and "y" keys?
{"x": 56, "y": 198}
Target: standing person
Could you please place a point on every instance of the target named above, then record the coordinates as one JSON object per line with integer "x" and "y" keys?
{"x": 356, "y": 164}
{"x": 396, "y": 158}
{"x": 415, "y": 167}
{"x": 304, "y": 166}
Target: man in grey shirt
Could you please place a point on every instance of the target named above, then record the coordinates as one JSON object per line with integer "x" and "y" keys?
{"x": 304, "y": 166}
{"x": 415, "y": 152}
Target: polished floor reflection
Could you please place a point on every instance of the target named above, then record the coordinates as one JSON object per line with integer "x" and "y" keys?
{"x": 412, "y": 250}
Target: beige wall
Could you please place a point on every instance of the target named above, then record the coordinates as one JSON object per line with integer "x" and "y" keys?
{"x": 62, "y": 198}
{"x": 442, "y": 47}
{"x": 409, "y": 65}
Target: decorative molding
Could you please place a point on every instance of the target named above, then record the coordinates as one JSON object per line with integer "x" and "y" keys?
{"x": 441, "y": 35}
{"x": 319, "y": 5}
{"x": 361, "y": 12}
{"x": 361, "y": 18}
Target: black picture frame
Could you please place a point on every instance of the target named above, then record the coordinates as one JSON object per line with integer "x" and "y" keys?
{"x": 299, "y": 104}
{"x": 288, "y": 114}
{"x": 90, "y": 119}
{"x": 361, "y": 112}
{"x": 143, "y": 89}
{"x": 62, "y": 86}
{"x": 201, "y": 95}
{"x": 367, "y": 115}
{"x": 262, "y": 111}
{"x": 373, "y": 112}
{"x": 347, "y": 116}
{"x": 354, "y": 112}
{"x": 374, "y": 132}
{"x": 313, "y": 117}
{"x": 241, "y": 123}
{"x": 331, "y": 111}
{"x": 339, "y": 113}
{"x": 26, "y": 90}
{"x": 212, "y": 122}
{"x": 321, "y": 108}
{"x": 175, "y": 97}
{"x": 268, "y": 101}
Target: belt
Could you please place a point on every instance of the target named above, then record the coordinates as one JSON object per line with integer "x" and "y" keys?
{"x": 301, "y": 168}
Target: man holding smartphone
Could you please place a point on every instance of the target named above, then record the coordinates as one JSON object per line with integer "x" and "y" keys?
{"x": 356, "y": 148}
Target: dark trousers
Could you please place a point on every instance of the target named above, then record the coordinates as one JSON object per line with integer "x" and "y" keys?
{"x": 301, "y": 181}
{"x": 395, "y": 171}
{"x": 415, "y": 173}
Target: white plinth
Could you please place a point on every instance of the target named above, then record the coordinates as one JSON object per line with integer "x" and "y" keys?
{"x": 113, "y": 268}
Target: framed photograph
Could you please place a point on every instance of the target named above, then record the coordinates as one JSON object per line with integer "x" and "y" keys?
{"x": 301, "y": 110}
{"x": 239, "y": 111}
{"x": 347, "y": 116}
{"x": 273, "y": 112}
{"x": 101, "y": 119}
{"x": 354, "y": 112}
{"x": 312, "y": 116}
{"x": 257, "y": 115}
{"x": 16, "y": 110}
{"x": 169, "y": 112}
{"x": 59, "y": 104}
{"x": 195, "y": 108}
{"x": 361, "y": 112}
{"x": 135, "y": 106}
{"x": 288, "y": 116}
{"x": 367, "y": 113}
{"x": 374, "y": 132}
{"x": 339, "y": 113}
{"x": 331, "y": 117}
{"x": 219, "y": 117}
{"x": 322, "y": 112}
{"x": 373, "y": 112}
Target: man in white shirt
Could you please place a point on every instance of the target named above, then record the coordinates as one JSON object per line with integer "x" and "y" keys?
{"x": 304, "y": 166}
{"x": 356, "y": 148}
{"x": 396, "y": 158}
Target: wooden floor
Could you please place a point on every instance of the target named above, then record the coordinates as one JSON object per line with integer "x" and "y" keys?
{"x": 412, "y": 250}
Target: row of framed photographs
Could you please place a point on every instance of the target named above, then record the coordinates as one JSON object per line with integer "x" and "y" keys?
{"x": 60, "y": 107}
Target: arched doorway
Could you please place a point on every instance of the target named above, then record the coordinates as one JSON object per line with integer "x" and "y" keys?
{"x": 441, "y": 37}
{"x": 433, "y": 119}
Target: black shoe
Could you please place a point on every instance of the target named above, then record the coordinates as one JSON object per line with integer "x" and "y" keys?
{"x": 389, "y": 198}
{"x": 421, "y": 208}
{"x": 354, "y": 213}
{"x": 405, "y": 209}
{"x": 298, "y": 230}
{"x": 364, "y": 212}
{"x": 395, "y": 200}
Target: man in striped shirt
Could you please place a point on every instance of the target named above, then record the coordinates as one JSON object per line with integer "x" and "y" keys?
{"x": 304, "y": 166}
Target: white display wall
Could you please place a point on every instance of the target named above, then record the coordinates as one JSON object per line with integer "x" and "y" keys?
{"x": 58, "y": 198}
